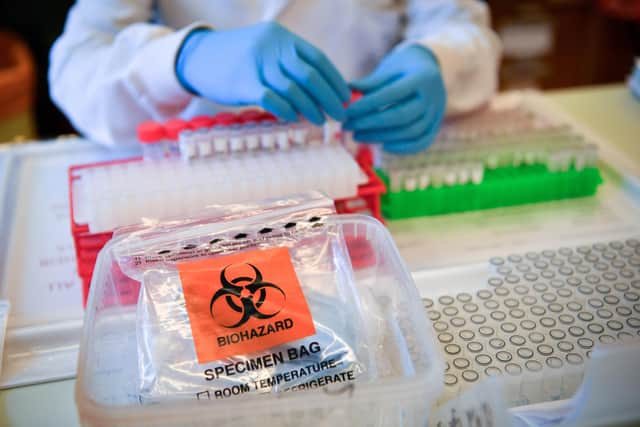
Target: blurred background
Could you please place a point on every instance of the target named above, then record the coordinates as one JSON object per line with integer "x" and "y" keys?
{"x": 548, "y": 44}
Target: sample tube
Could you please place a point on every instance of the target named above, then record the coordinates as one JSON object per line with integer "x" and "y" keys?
{"x": 299, "y": 133}
{"x": 222, "y": 131}
{"x": 282, "y": 136}
{"x": 173, "y": 129}
{"x": 202, "y": 134}
{"x": 252, "y": 136}
{"x": 152, "y": 137}
{"x": 236, "y": 138}
{"x": 188, "y": 148}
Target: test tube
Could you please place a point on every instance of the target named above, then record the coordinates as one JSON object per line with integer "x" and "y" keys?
{"x": 331, "y": 129}
{"x": 252, "y": 136}
{"x": 464, "y": 173}
{"x": 236, "y": 138}
{"x": 450, "y": 174}
{"x": 477, "y": 173}
{"x": 437, "y": 177}
{"x": 424, "y": 179}
{"x": 299, "y": 132}
{"x": 492, "y": 160}
{"x": 203, "y": 134}
{"x": 554, "y": 162}
{"x": 565, "y": 163}
{"x": 591, "y": 155}
{"x": 173, "y": 129}
{"x": 265, "y": 130}
{"x": 267, "y": 136}
{"x": 580, "y": 159}
{"x": 188, "y": 148}
{"x": 410, "y": 181}
{"x": 530, "y": 156}
{"x": 222, "y": 132}
{"x": 282, "y": 136}
{"x": 152, "y": 137}
{"x": 315, "y": 135}
{"x": 395, "y": 180}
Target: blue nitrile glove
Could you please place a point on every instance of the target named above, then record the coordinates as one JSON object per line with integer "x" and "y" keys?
{"x": 403, "y": 104}
{"x": 264, "y": 64}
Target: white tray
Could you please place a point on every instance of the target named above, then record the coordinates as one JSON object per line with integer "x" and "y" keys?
{"x": 37, "y": 259}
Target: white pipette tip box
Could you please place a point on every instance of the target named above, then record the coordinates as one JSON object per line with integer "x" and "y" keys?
{"x": 111, "y": 195}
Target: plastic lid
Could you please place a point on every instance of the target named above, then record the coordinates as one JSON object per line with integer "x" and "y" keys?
{"x": 268, "y": 117}
{"x": 251, "y": 115}
{"x": 199, "y": 122}
{"x": 173, "y": 128}
{"x": 150, "y": 132}
{"x": 227, "y": 118}
{"x": 354, "y": 97}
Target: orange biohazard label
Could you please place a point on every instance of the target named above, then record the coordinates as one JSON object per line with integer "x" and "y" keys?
{"x": 244, "y": 303}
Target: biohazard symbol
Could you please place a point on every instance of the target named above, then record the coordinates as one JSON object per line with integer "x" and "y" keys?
{"x": 245, "y": 297}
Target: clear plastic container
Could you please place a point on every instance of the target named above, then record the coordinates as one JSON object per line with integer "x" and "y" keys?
{"x": 404, "y": 369}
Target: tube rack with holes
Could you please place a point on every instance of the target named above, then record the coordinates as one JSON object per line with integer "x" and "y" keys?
{"x": 534, "y": 316}
{"x": 88, "y": 242}
{"x": 501, "y": 157}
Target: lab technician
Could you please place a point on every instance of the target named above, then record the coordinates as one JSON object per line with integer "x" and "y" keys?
{"x": 121, "y": 62}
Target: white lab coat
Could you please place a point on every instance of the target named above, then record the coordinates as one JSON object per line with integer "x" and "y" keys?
{"x": 113, "y": 67}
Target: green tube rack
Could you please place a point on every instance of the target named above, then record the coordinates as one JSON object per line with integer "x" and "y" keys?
{"x": 504, "y": 186}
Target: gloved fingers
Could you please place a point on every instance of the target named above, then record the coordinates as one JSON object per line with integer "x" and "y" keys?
{"x": 315, "y": 85}
{"x": 289, "y": 89}
{"x": 388, "y": 94}
{"x": 401, "y": 114}
{"x": 400, "y": 133}
{"x": 320, "y": 62}
{"x": 411, "y": 146}
{"x": 274, "y": 103}
{"x": 370, "y": 82}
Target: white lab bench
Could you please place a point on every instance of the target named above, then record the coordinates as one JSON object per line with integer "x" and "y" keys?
{"x": 609, "y": 111}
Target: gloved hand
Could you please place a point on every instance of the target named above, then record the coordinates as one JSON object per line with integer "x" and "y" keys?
{"x": 403, "y": 104}
{"x": 266, "y": 65}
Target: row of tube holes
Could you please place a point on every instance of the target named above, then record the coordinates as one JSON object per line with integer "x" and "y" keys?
{"x": 266, "y": 230}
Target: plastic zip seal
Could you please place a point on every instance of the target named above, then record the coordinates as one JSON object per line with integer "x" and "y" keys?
{"x": 219, "y": 229}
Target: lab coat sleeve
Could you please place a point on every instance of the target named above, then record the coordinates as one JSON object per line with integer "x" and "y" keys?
{"x": 459, "y": 35}
{"x": 112, "y": 69}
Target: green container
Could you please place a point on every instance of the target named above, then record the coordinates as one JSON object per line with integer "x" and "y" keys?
{"x": 506, "y": 186}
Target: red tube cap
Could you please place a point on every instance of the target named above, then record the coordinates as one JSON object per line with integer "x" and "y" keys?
{"x": 173, "y": 128}
{"x": 268, "y": 117}
{"x": 251, "y": 115}
{"x": 227, "y": 118}
{"x": 150, "y": 132}
{"x": 354, "y": 97}
{"x": 200, "y": 122}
